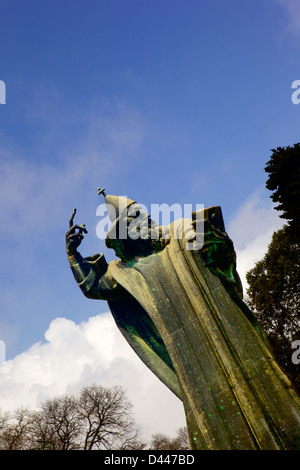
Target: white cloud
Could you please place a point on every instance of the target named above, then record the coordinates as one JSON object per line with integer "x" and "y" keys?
{"x": 251, "y": 229}
{"x": 74, "y": 356}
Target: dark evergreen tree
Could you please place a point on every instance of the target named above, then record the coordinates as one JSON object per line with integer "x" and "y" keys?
{"x": 274, "y": 298}
{"x": 274, "y": 282}
{"x": 284, "y": 180}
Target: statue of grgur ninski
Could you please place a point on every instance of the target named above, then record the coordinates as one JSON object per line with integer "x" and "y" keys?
{"x": 182, "y": 312}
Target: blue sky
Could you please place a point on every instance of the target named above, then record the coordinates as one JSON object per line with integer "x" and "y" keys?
{"x": 164, "y": 101}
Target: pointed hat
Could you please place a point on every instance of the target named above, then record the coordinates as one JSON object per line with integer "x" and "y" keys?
{"x": 115, "y": 204}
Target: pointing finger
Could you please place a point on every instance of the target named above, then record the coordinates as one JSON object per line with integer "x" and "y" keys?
{"x": 72, "y": 217}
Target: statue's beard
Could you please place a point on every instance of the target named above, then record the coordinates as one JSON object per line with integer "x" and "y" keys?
{"x": 139, "y": 244}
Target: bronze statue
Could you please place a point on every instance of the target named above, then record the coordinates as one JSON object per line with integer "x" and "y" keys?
{"x": 182, "y": 312}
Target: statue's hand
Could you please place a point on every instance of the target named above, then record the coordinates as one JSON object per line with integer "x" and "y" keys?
{"x": 73, "y": 238}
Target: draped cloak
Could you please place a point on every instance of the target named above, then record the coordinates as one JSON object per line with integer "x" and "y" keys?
{"x": 195, "y": 333}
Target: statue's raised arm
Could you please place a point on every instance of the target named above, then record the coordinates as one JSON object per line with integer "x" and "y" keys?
{"x": 74, "y": 235}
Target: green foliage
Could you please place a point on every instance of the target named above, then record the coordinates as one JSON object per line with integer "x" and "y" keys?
{"x": 284, "y": 180}
{"x": 274, "y": 282}
{"x": 274, "y": 286}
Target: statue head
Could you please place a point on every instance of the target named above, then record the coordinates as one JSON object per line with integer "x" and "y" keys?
{"x": 132, "y": 233}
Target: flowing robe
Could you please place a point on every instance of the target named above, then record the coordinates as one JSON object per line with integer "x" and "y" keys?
{"x": 198, "y": 337}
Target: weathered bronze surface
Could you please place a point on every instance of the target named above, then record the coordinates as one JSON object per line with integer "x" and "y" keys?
{"x": 182, "y": 312}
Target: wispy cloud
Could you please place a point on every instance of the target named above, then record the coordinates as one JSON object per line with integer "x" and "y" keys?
{"x": 34, "y": 193}
{"x": 292, "y": 8}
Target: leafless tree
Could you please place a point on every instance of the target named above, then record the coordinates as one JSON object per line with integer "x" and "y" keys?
{"x": 15, "y": 429}
{"x": 4, "y": 418}
{"x": 59, "y": 420}
{"x": 96, "y": 418}
{"x": 163, "y": 442}
{"x": 43, "y": 435}
{"x": 106, "y": 419}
